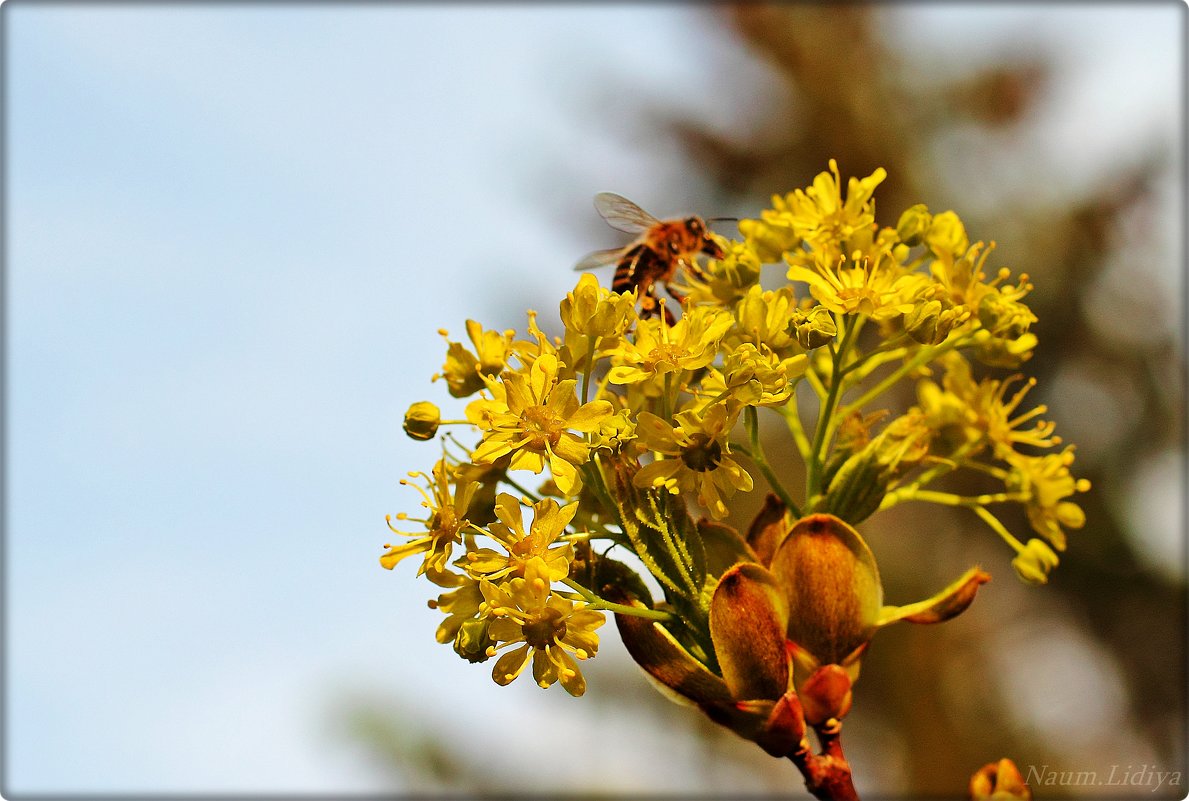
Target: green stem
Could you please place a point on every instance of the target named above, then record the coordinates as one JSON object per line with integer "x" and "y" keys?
{"x": 791, "y": 412}
{"x": 999, "y": 528}
{"x": 858, "y": 370}
{"x": 591, "y": 341}
{"x": 826, "y": 414}
{"x": 886, "y": 351}
{"x": 944, "y": 465}
{"x": 756, "y": 452}
{"x": 520, "y": 489}
{"x": 950, "y": 499}
{"x": 620, "y": 609}
{"x": 667, "y": 399}
{"x": 815, "y": 382}
{"x": 925, "y": 355}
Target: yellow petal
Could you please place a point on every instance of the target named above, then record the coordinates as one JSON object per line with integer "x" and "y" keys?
{"x": 509, "y": 666}
{"x": 588, "y": 416}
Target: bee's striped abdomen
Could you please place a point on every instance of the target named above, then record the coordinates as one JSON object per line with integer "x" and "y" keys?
{"x": 627, "y": 271}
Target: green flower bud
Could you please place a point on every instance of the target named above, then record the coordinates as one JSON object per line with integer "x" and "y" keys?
{"x": 1003, "y": 352}
{"x": 813, "y": 328}
{"x": 472, "y": 641}
{"x": 933, "y": 315}
{"x": 422, "y": 420}
{"x": 1004, "y": 317}
{"x": 858, "y": 486}
{"x": 1035, "y": 562}
{"x": 913, "y": 225}
{"x": 931, "y": 321}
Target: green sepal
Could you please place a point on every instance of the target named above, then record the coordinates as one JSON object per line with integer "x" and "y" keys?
{"x": 662, "y": 534}
{"x": 950, "y": 602}
{"x": 857, "y": 488}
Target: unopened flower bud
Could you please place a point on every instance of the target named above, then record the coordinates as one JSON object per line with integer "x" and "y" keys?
{"x": 913, "y": 225}
{"x": 1035, "y": 562}
{"x": 813, "y": 328}
{"x": 422, "y": 420}
{"x": 1004, "y": 317}
{"x": 931, "y": 321}
{"x": 947, "y": 235}
{"x": 770, "y": 241}
{"x": 826, "y": 694}
{"x": 472, "y": 641}
{"x": 1005, "y": 352}
{"x": 591, "y": 310}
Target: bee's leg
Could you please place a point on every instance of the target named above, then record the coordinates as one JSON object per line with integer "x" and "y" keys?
{"x": 691, "y": 267}
{"x": 673, "y": 293}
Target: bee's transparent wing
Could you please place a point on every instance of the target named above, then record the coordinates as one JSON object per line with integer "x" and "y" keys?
{"x": 600, "y": 258}
{"x": 622, "y": 214}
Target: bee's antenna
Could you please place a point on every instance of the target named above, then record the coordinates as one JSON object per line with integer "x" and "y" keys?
{"x": 722, "y": 219}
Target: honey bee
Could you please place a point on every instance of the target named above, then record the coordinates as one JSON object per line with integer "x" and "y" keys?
{"x": 660, "y": 249}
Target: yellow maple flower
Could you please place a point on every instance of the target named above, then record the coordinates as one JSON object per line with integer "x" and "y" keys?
{"x": 870, "y": 281}
{"x": 1047, "y": 482}
{"x": 549, "y": 522}
{"x": 534, "y": 420}
{"x": 694, "y": 456}
{"x": 465, "y": 372}
{"x": 819, "y": 214}
{"x": 658, "y": 348}
{"x": 444, "y": 525}
{"x": 547, "y": 629}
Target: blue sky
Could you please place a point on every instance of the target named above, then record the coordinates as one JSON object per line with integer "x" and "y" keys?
{"x": 232, "y": 235}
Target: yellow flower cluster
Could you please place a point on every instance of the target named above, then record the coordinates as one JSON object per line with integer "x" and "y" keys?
{"x": 625, "y": 426}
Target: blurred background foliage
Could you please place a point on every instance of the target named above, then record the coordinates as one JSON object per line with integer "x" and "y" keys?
{"x": 1086, "y": 673}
